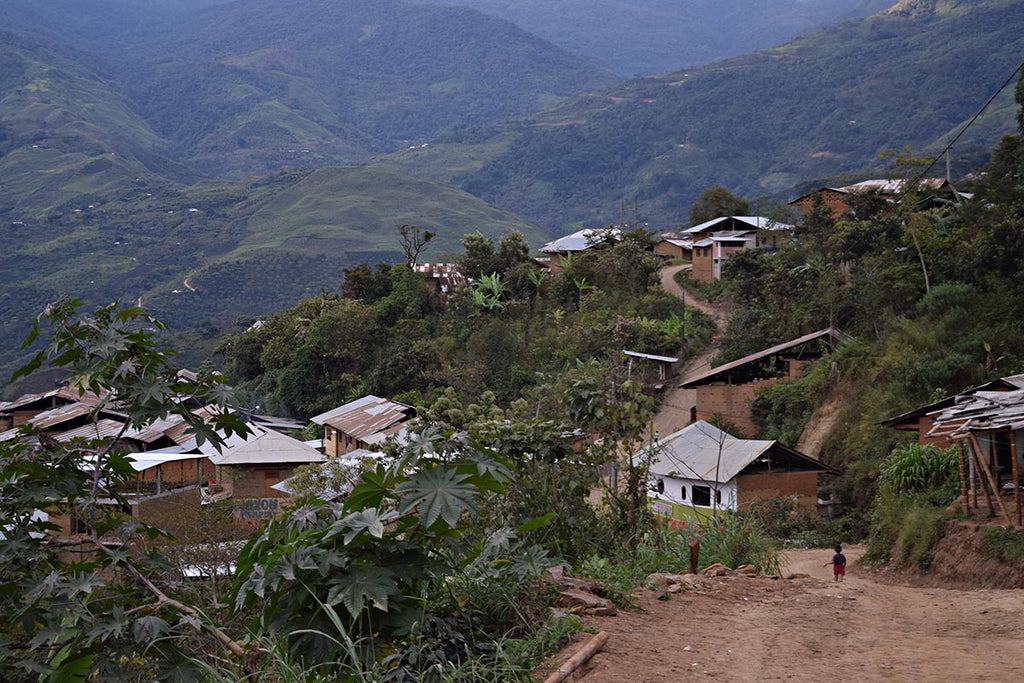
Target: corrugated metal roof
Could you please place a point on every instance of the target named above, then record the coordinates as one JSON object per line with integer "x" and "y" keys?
{"x": 708, "y": 374}
{"x": 756, "y": 222}
{"x": 580, "y": 240}
{"x": 262, "y": 447}
{"x": 64, "y": 392}
{"x": 981, "y": 411}
{"x": 703, "y": 451}
{"x": 648, "y": 356}
{"x": 144, "y": 461}
{"x": 101, "y": 429}
{"x": 369, "y": 419}
{"x": 893, "y": 185}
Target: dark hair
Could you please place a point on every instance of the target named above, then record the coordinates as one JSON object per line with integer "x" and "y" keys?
{"x": 839, "y": 548}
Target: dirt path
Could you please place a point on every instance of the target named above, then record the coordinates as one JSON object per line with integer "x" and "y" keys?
{"x": 811, "y": 629}
{"x": 676, "y": 404}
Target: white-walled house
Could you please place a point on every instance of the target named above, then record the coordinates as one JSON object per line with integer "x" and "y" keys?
{"x": 701, "y": 468}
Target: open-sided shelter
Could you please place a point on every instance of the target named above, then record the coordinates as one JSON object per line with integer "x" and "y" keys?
{"x": 726, "y": 391}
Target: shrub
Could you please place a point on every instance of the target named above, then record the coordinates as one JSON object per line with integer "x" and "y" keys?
{"x": 1003, "y": 543}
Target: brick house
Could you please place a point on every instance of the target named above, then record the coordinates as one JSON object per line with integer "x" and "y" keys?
{"x": 837, "y": 199}
{"x": 726, "y": 392}
{"x": 581, "y": 240}
{"x": 716, "y": 240}
{"x": 363, "y": 423}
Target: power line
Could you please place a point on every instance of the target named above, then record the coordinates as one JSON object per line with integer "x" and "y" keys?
{"x": 968, "y": 125}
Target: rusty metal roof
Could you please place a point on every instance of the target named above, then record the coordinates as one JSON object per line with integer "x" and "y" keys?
{"x": 101, "y": 429}
{"x": 982, "y": 411}
{"x": 370, "y": 419}
{"x": 704, "y": 377}
{"x": 65, "y": 393}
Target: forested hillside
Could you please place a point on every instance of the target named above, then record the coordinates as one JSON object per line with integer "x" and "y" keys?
{"x": 635, "y": 37}
{"x": 762, "y": 123}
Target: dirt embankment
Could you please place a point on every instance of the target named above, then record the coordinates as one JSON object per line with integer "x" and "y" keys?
{"x": 812, "y": 629}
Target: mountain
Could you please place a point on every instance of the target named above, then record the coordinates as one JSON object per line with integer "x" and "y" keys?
{"x": 759, "y": 124}
{"x": 203, "y": 255}
{"x": 634, "y": 37}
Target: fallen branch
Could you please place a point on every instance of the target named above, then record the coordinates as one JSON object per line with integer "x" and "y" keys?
{"x": 578, "y": 659}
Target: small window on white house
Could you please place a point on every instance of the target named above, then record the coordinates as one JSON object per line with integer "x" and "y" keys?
{"x": 718, "y": 496}
{"x": 661, "y": 486}
{"x": 682, "y": 492}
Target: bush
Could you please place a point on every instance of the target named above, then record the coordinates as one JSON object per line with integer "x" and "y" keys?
{"x": 1003, "y": 543}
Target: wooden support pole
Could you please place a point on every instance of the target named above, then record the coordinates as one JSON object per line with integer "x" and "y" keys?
{"x": 1016, "y": 474}
{"x": 965, "y": 501}
{"x": 578, "y": 659}
{"x": 976, "y": 459}
{"x": 991, "y": 480}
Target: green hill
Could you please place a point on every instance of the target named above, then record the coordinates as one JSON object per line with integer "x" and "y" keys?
{"x": 759, "y": 124}
{"x": 633, "y": 37}
{"x": 246, "y": 249}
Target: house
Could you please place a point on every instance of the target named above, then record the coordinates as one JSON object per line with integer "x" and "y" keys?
{"x": 988, "y": 428}
{"x": 837, "y": 199}
{"x": 716, "y": 240}
{"x": 363, "y": 423}
{"x": 725, "y": 392}
{"x": 655, "y": 370}
{"x": 564, "y": 247}
{"x": 922, "y": 420}
{"x": 247, "y": 468}
{"x": 441, "y": 278}
{"x": 670, "y": 248}
{"x": 21, "y": 410}
{"x": 701, "y": 468}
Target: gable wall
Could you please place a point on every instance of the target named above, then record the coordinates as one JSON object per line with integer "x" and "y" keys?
{"x": 731, "y": 402}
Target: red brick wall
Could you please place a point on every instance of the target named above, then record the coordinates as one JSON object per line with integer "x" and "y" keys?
{"x": 702, "y": 264}
{"x": 756, "y": 486}
{"x": 731, "y": 402}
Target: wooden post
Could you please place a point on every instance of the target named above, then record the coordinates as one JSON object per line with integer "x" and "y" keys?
{"x": 965, "y": 501}
{"x": 1016, "y": 474}
{"x": 976, "y": 460}
{"x": 991, "y": 480}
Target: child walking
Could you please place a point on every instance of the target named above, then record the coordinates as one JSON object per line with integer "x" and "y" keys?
{"x": 838, "y": 564}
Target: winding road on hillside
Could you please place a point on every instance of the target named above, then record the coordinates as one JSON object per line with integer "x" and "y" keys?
{"x": 811, "y": 629}
{"x": 674, "y": 413}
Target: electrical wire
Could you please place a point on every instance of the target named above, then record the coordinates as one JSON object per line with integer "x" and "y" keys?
{"x": 968, "y": 125}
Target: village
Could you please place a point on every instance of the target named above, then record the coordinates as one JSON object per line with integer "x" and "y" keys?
{"x": 221, "y": 481}
{"x": 696, "y": 467}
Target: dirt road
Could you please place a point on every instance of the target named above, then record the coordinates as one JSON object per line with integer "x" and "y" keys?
{"x": 811, "y": 629}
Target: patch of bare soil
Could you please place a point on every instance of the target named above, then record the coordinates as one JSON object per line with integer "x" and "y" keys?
{"x": 811, "y": 629}
{"x": 959, "y": 560}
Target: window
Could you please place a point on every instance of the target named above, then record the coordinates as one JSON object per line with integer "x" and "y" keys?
{"x": 718, "y": 496}
{"x": 661, "y": 486}
{"x": 702, "y": 495}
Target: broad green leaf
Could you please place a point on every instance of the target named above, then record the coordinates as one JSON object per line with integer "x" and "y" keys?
{"x": 362, "y": 584}
{"x": 437, "y": 493}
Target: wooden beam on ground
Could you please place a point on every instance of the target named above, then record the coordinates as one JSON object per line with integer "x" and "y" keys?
{"x": 578, "y": 659}
{"x": 991, "y": 480}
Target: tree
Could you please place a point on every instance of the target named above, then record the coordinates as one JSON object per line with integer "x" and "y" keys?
{"x": 413, "y": 242}
{"x": 87, "y": 610}
{"x": 365, "y": 284}
{"x": 716, "y": 202}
